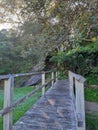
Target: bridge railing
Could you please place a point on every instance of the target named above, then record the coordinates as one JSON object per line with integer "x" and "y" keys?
{"x": 9, "y": 105}
{"x": 77, "y": 88}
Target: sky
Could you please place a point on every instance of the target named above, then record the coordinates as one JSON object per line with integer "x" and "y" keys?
{"x": 15, "y": 19}
{"x": 5, "y": 26}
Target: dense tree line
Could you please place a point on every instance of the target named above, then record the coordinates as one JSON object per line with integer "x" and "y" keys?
{"x": 41, "y": 26}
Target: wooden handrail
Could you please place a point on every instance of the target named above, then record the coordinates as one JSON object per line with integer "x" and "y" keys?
{"x": 2, "y": 77}
{"x": 77, "y": 77}
{"x": 8, "y": 93}
{"x": 14, "y": 105}
{"x": 77, "y": 87}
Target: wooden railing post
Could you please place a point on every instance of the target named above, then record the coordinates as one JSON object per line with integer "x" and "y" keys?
{"x": 80, "y": 105}
{"x": 71, "y": 81}
{"x": 8, "y": 98}
{"x": 79, "y": 98}
{"x": 43, "y": 82}
{"x": 52, "y": 78}
{"x": 56, "y": 74}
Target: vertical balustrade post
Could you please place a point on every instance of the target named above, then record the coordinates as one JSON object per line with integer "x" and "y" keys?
{"x": 8, "y": 99}
{"x": 56, "y": 74}
{"x": 43, "y": 82}
{"x": 52, "y": 78}
{"x": 71, "y": 81}
{"x": 80, "y": 105}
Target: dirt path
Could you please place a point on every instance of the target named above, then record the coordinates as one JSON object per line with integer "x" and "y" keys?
{"x": 91, "y": 107}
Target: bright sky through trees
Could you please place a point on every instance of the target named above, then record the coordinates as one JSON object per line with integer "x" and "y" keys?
{"x": 5, "y": 26}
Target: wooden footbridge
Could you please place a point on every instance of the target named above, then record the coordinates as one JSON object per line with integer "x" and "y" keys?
{"x": 60, "y": 108}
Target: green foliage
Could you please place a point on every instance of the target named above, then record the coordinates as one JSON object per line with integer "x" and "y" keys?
{"x": 1, "y": 123}
{"x": 85, "y": 58}
{"x": 82, "y": 60}
{"x": 43, "y": 26}
{"x": 60, "y": 60}
{"x": 91, "y": 95}
{"x": 92, "y": 79}
{"x": 92, "y": 122}
{"x": 1, "y": 99}
{"x": 15, "y": 55}
{"x": 62, "y": 76}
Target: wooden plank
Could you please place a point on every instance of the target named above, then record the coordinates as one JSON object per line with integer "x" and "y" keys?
{"x": 43, "y": 82}
{"x": 79, "y": 94}
{"x": 33, "y": 73}
{"x": 8, "y": 97}
{"x": 52, "y": 78}
{"x": 77, "y": 76}
{"x": 24, "y": 74}
{"x": 80, "y": 105}
{"x": 4, "y": 76}
{"x": 71, "y": 81}
{"x": 56, "y": 75}
{"x": 52, "y": 112}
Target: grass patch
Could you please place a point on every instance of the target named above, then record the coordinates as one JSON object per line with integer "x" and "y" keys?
{"x": 92, "y": 122}
{"x": 1, "y": 98}
{"x": 22, "y": 108}
{"x": 91, "y": 94}
{"x": 1, "y": 123}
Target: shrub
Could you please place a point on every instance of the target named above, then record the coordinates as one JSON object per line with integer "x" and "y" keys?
{"x": 82, "y": 60}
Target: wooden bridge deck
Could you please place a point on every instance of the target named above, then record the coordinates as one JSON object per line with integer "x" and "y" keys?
{"x": 53, "y": 111}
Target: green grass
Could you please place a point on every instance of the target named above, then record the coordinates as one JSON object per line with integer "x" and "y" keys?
{"x": 1, "y": 99}
{"x": 91, "y": 94}
{"x": 92, "y": 122}
{"x": 22, "y": 108}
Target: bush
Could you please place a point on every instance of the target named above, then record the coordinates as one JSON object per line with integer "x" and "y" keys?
{"x": 82, "y": 60}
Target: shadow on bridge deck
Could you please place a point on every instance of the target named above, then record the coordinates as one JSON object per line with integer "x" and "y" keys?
{"x": 53, "y": 111}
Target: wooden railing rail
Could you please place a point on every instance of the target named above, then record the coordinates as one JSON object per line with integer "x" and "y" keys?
{"x": 2, "y": 77}
{"x": 77, "y": 87}
{"x": 8, "y": 94}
